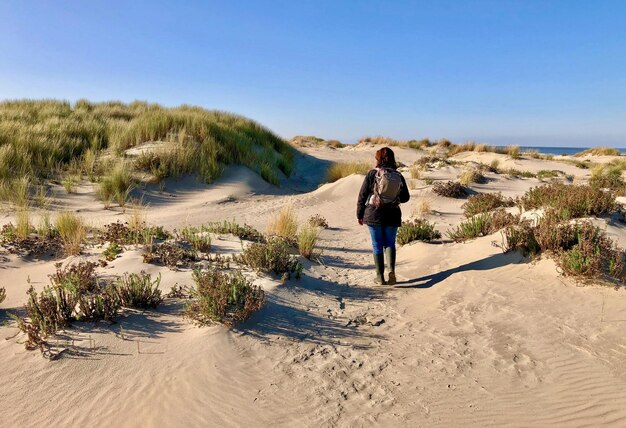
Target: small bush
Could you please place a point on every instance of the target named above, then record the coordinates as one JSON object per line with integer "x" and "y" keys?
{"x": 72, "y": 232}
{"x": 470, "y": 176}
{"x": 272, "y": 256}
{"x": 450, "y": 189}
{"x": 485, "y": 202}
{"x": 569, "y": 201}
{"x": 284, "y": 224}
{"x": 482, "y": 225}
{"x": 199, "y": 240}
{"x": 112, "y": 251}
{"x": 246, "y": 232}
{"x": 318, "y": 221}
{"x": 139, "y": 291}
{"x": 307, "y": 240}
{"x": 170, "y": 254}
{"x": 343, "y": 169}
{"x": 227, "y": 298}
{"x": 417, "y": 230}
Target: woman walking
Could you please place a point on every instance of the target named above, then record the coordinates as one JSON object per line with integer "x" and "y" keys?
{"x": 382, "y": 192}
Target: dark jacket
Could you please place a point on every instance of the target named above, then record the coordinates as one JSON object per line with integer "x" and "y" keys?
{"x": 385, "y": 216}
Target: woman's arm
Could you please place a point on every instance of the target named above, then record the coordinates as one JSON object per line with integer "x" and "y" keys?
{"x": 364, "y": 194}
{"x": 404, "y": 192}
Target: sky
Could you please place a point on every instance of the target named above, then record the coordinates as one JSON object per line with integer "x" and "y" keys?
{"x": 500, "y": 72}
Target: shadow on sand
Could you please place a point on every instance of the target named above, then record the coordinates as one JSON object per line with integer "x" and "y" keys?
{"x": 492, "y": 262}
{"x": 283, "y": 314}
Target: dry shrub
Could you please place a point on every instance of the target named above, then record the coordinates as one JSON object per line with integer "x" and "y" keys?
{"x": 72, "y": 232}
{"x": 485, "y": 202}
{"x": 284, "y": 224}
{"x": 459, "y": 148}
{"x": 514, "y": 152}
{"x": 48, "y": 243}
{"x": 415, "y": 171}
{"x": 450, "y": 189}
{"x": 307, "y": 241}
{"x": 139, "y": 290}
{"x": 569, "y": 201}
{"x": 472, "y": 175}
{"x": 599, "y": 151}
{"x": 170, "y": 254}
{"x": 271, "y": 256}
{"x": 417, "y": 230}
{"x": 3, "y": 294}
{"x": 423, "y": 207}
{"x": 227, "y": 298}
{"x": 318, "y": 221}
{"x": 123, "y": 234}
{"x": 481, "y": 148}
{"x": 481, "y": 225}
{"x": 340, "y": 170}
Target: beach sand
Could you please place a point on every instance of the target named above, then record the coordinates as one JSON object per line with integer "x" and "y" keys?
{"x": 469, "y": 337}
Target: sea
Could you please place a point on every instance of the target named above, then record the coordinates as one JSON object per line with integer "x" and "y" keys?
{"x": 560, "y": 150}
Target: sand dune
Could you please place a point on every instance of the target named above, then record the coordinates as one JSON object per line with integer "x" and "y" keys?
{"x": 469, "y": 337}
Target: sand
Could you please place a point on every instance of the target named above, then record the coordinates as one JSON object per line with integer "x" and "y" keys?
{"x": 469, "y": 337}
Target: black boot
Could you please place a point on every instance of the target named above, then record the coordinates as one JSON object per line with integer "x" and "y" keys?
{"x": 379, "y": 262}
{"x": 390, "y": 254}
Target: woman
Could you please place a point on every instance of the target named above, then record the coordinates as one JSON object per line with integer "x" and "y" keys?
{"x": 382, "y": 192}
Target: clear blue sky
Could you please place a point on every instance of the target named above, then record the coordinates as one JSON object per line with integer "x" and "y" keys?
{"x": 525, "y": 72}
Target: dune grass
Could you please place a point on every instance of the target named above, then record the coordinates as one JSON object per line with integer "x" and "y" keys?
{"x": 599, "y": 151}
{"x": 284, "y": 224}
{"x": 72, "y": 230}
{"x": 340, "y": 170}
{"x": 42, "y": 139}
{"x": 307, "y": 240}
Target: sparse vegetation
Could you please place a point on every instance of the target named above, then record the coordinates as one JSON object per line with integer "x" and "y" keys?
{"x": 481, "y": 225}
{"x": 569, "y": 201}
{"x": 450, "y": 189}
{"x": 608, "y": 176}
{"x": 273, "y": 256}
{"x": 599, "y": 151}
{"x": 485, "y": 202}
{"x": 227, "y": 298}
{"x": 422, "y": 207}
{"x": 471, "y": 175}
{"x": 139, "y": 291}
{"x": 318, "y": 221}
{"x": 417, "y": 230}
{"x": 415, "y": 171}
{"x": 340, "y": 170}
{"x": 548, "y": 174}
{"x": 246, "y": 232}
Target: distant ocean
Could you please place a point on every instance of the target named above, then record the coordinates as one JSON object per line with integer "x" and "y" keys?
{"x": 561, "y": 150}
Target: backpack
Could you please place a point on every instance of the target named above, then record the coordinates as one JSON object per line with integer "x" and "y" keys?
{"x": 387, "y": 187}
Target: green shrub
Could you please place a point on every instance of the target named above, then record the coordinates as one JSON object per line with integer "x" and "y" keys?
{"x": 417, "y": 230}
{"x": 343, "y": 169}
{"x": 485, "y": 202}
{"x": 227, "y": 298}
{"x": 548, "y": 174}
{"x": 112, "y": 251}
{"x": 199, "y": 240}
{"x": 272, "y": 256}
{"x": 569, "y": 201}
{"x": 482, "y": 225}
{"x": 450, "y": 189}
{"x": 139, "y": 291}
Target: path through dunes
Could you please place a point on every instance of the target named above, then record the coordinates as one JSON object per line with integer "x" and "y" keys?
{"x": 470, "y": 336}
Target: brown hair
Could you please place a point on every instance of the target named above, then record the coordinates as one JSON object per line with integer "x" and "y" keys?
{"x": 386, "y": 157}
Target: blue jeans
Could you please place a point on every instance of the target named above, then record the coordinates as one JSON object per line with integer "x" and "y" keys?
{"x": 382, "y": 237}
